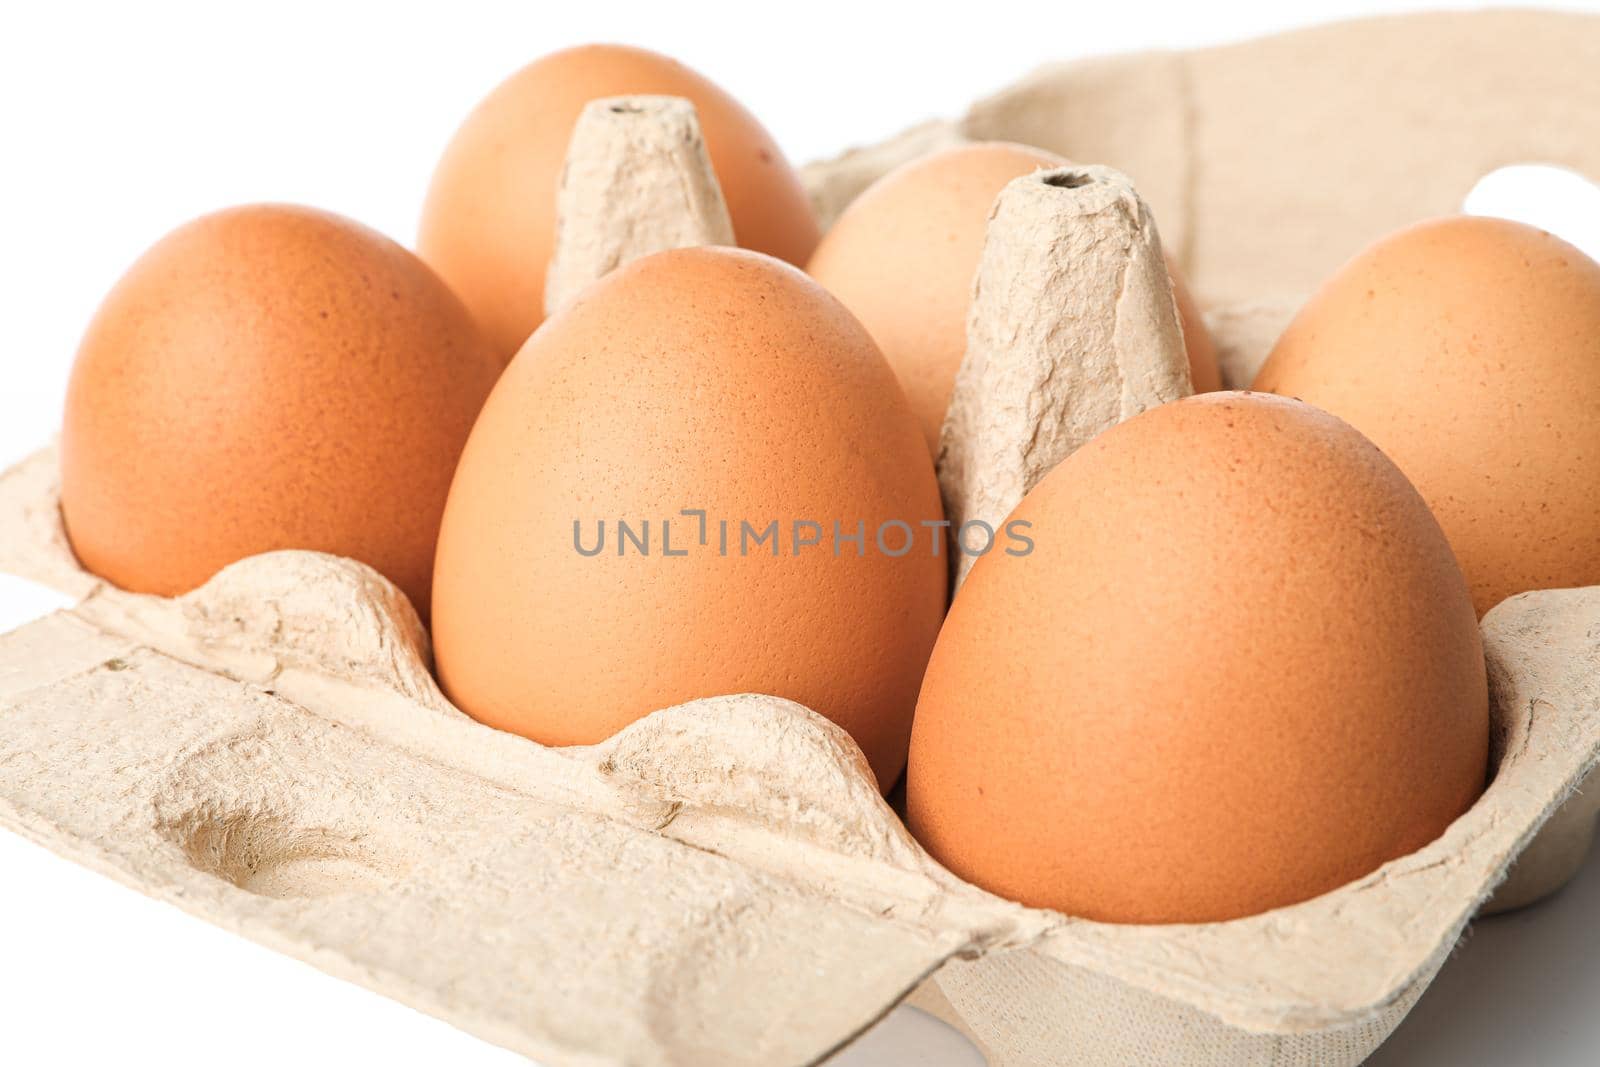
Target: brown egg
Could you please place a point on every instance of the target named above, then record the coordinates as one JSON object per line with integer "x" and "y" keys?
{"x": 1469, "y": 350}
{"x": 1240, "y": 668}
{"x": 701, "y": 380}
{"x": 1204, "y": 374}
{"x": 903, "y": 254}
{"x": 268, "y": 377}
{"x": 488, "y": 226}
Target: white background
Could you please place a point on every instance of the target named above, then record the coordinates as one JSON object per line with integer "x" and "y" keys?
{"x": 122, "y": 121}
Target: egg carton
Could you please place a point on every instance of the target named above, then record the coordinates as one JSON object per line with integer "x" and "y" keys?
{"x": 1228, "y": 145}
{"x": 721, "y": 882}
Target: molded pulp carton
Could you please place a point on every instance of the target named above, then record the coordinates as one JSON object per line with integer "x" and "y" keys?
{"x": 721, "y": 883}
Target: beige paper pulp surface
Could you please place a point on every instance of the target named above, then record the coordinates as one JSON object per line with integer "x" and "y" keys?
{"x": 1072, "y": 328}
{"x": 721, "y": 883}
{"x": 1231, "y": 148}
{"x": 637, "y": 180}
{"x": 1271, "y": 162}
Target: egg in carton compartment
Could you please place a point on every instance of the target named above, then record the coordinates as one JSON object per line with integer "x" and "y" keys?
{"x": 722, "y": 882}
{"x": 1229, "y": 145}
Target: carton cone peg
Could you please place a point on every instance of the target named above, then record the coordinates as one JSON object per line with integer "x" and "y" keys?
{"x": 637, "y": 180}
{"x": 1072, "y": 329}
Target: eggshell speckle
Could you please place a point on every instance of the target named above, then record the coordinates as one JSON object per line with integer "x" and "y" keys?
{"x": 902, "y": 258}
{"x": 1239, "y": 669}
{"x": 1468, "y": 349}
{"x": 488, "y": 226}
{"x": 710, "y": 380}
{"x": 268, "y": 377}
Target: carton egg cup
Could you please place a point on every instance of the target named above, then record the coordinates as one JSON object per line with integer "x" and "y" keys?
{"x": 721, "y": 882}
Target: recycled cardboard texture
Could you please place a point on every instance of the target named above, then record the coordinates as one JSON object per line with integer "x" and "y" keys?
{"x": 637, "y": 179}
{"x": 1072, "y": 328}
{"x": 720, "y": 883}
{"x": 1244, "y": 335}
{"x": 1230, "y": 146}
{"x": 1078, "y": 989}
{"x": 1270, "y": 162}
{"x": 1554, "y": 857}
